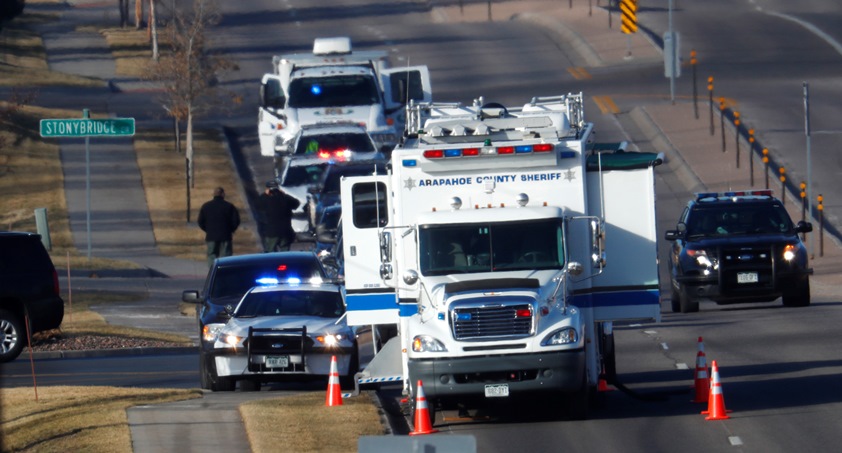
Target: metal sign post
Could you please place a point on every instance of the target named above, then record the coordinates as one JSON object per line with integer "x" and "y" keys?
{"x": 87, "y": 127}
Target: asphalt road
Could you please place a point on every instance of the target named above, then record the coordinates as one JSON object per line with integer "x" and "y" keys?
{"x": 778, "y": 366}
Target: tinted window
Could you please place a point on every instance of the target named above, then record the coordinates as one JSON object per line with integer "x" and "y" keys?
{"x": 401, "y": 82}
{"x": 22, "y": 254}
{"x": 336, "y": 91}
{"x": 738, "y": 219}
{"x": 303, "y": 175}
{"x": 232, "y": 281}
{"x": 324, "y": 304}
{"x": 491, "y": 247}
{"x": 367, "y": 213}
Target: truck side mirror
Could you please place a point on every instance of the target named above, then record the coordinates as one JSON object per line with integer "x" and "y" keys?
{"x": 597, "y": 243}
{"x": 385, "y": 247}
{"x": 803, "y": 227}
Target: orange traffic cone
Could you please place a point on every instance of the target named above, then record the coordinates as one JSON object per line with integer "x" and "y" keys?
{"x": 716, "y": 401}
{"x": 334, "y": 391}
{"x": 702, "y": 381}
{"x": 421, "y": 422}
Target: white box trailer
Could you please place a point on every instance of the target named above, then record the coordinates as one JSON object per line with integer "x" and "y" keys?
{"x": 337, "y": 84}
{"x": 503, "y": 244}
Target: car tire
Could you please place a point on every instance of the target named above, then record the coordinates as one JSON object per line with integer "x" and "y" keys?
{"x": 675, "y": 301}
{"x": 204, "y": 374}
{"x": 248, "y": 385}
{"x": 218, "y": 383}
{"x": 687, "y": 303}
{"x": 13, "y": 336}
{"x": 798, "y": 295}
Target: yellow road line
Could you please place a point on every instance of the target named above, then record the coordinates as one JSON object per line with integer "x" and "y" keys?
{"x": 606, "y": 104}
{"x": 579, "y": 73}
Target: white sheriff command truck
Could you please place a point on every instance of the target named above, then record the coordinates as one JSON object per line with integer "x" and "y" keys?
{"x": 503, "y": 244}
{"x": 335, "y": 83}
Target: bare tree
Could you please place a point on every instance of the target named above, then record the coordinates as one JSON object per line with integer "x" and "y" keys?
{"x": 188, "y": 72}
{"x": 152, "y": 29}
{"x": 138, "y": 14}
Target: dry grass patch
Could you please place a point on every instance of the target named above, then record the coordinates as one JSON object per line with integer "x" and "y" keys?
{"x": 79, "y": 320}
{"x": 64, "y": 418}
{"x": 302, "y": 423}
{"x": 131, "y": 49}
{"x": 23, "y": 60}
{"x": 163, "y": 172}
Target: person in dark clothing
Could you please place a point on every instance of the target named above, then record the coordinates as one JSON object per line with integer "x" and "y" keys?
{"x": 219, "y": 219}
{"x": 276, "y": 208}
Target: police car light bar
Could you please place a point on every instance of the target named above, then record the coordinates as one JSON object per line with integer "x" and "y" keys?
{"x": 488, "y": 151}
{"x": 743, "y": 193}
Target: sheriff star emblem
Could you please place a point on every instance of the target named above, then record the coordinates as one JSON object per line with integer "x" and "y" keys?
{"x": 408, "y": 183}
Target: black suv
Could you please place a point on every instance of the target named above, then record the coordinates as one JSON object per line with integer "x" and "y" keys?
{"x": 28, "y": 289}
{"x": 737, "y": 247}
{"x": 226, "y": 283}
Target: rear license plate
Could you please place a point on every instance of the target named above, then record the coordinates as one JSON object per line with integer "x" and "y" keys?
{"x": 747, "y": 277}
{"x": 277, "y": 361}
{"x": 496, "y": 390}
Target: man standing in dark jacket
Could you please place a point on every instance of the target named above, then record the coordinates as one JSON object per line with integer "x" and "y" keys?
{"x": 276, "y": 216}
{"x": 219, "y": 219}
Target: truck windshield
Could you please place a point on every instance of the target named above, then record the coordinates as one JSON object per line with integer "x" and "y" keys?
{"x": 736, "y": 219}
{"x": 491, "y": 247}
{"x": 336, "y": 91}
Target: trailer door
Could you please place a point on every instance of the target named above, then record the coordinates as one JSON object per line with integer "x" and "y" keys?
{"x": 365, "y": 213}
{"x": 400, "y": 85}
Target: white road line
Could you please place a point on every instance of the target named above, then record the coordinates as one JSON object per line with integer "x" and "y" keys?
{"x": 812, "y": 29}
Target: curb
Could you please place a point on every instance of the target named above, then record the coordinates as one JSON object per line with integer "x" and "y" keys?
{"x": 88, "y": 353}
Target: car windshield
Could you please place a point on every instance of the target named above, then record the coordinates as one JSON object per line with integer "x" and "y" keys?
{"x": 334, "y": 92}
{"x": 331, "y": 143}
{"x": 303, "y": 175}
{"x": 322, "y": 304}
{"x": 234, "y": 281}
{"x": 736, "y": 219}
{"x": 451, "y": 249}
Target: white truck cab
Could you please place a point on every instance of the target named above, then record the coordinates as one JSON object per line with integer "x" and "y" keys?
{"x": 333, "y": 84}
{"x": 504, "y": 244}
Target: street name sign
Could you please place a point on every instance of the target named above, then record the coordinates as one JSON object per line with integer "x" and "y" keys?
{"x": 87, "y": 127}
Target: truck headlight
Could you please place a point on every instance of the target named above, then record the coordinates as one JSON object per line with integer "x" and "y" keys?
{"x": 330, "y": 339}
{"x": 426, "y": 343}
{"x": 566, "y": 335}
{"x": 211, "y": 331}
{"x": 231, "y": 340}
{"x": 789, "y": 252}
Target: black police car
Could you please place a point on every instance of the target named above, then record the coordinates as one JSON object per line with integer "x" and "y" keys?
{"x": 226, "y": 283}
{"x": 736, "y": 247}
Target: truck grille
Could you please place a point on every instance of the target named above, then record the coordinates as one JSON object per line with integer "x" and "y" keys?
{"x": 497, "y": 321}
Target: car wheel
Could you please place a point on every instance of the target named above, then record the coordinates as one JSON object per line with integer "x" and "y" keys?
{"x": 675, "y": 301}
{"x": 687, "y": 303}
{"x": 798, "y": 295}
{"x": 12, "y": 335}
{"x": 204, "y": 373}
{"x": 250, "y": 386}
{"x": 219, "y": 383}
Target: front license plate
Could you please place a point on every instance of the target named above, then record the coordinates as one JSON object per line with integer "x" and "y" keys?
{"x": 746, "y": 277}
{"x": 277, "y": 361}
{"x": 496, "y": 390}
